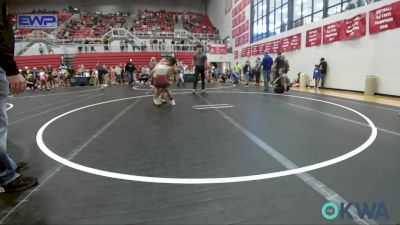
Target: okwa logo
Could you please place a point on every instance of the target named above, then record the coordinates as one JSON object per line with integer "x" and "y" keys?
{"x": 331, "y": 211}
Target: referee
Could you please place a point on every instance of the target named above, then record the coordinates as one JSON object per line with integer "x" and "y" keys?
{"x": 200, "y": 63}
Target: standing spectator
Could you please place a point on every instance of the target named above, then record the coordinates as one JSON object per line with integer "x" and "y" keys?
{"x": 92, "y": 46}
{"x": 100, "y": 72}
{"x": 10, "y": 83}
{"x": 257, "y": 71}
{"x": 122, "y": 45}
{"x": 238, "y": 69}
{"x": 279, "y": 64}
{"x": 126, "y": 46}
{"x": 267, "y": 66}
{"x": 105, "y": 45}
{"x": 86, "y": 44}
{"x": 323, "y": 66}
{"x": 246, "y": 72}
{"x": 118, "y": 73}
{"x": 317, "y": 76}
{"x": 130, "y": 70}
{"x": 200, "y": 63}
{"x": 41, "y": 49}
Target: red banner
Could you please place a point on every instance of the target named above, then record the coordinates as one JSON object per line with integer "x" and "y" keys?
{"x": 295, "y": 42}
{"x": 217, "y": 49}
{"x": 268, "y": 47}
{"x": 332, "y": 32}
{"x": 236, "y": 54}
{"x": 254, "y": 50}
{"x": 246, "y": 52}
{"x": 239, "y": 19}
{"x": 384, "y": 18}
{"x": 285, "y": 45}
{"x": 239, "y": 8}
{"x": 276, "y": 46}
{"x": 313, "y": 37}
{"x": 244, "y": 39}
{"x": 241, "y": 29}
{"x": 354, "y": 27}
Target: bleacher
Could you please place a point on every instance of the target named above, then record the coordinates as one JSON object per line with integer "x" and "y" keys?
{"x": 38, "y": 60}
{"x": 89, "y": 60}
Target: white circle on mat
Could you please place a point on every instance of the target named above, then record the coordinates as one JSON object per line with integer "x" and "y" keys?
{"x": 9, "y": 106}
{"x": 352, "y": 153}
{"x": 183, "y": 89}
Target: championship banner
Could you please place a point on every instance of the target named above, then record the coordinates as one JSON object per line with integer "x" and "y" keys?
{"x": 285, "y": 45}
{"x": 384, "y": 18}
{"x": 295, "y": 42}
{"x": 268, "y": 47}
{"x": 254, "y": 50}
{"x": 313, "y": 37}
{"x": 354, "y": 27}
{"x": 261, "y": 49}
{"x": 217, "y": 49}
{"x": 239, "y": 19}
{"x": 276, "y": 46}
{"x": 248, "y": 51}
{"x": 332, "y": 32}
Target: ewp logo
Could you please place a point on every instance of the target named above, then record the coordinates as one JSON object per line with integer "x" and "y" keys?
{"x": 331, "y": 211}
{"x": 37, "y": 21}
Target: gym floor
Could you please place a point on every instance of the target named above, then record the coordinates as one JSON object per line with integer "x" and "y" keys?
{"x": 211, "y": 141}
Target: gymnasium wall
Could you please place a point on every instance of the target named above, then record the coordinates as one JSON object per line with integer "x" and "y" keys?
{"x": 19, "y": 6}
{"x": 349, "y": 61}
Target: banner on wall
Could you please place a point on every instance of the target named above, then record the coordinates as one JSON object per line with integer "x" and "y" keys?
{"x": 240, "y": 29}
{"x": 332, "y": 32}
{"x": 313, "y": 37}
{"x": 236, "y": 54}
{"x": 246, "y": 52}
{"x": 217, "y": 49}
{"x": 239, "y": 8}
{"x": 276, "y": 46}
{"x": 239, "y": 19}
{"x": 254, "y": 50}
{"x": 295, "y": 42}
{"x": 384, "y": 18}
{"x": 354, "y": 27}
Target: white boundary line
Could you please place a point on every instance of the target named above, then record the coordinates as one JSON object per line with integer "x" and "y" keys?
{"x": 183, "y": 89}
{"x": 318, "y": 186}
{"x": 64, "y": 93}
{"x": 10, "y": 106}
{"x": 51, "y": 154}
{"x": 214, "y": 107}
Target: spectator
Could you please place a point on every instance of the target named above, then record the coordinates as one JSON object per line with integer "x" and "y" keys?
{"x": 118, "y": 73}
{"x": 317, "y": 76}
{"x": 246, "y": 72}
{"x": 122, "y": 45}
{"x": 144, "y": 75}
{"x": 126, "y": 45}
{"x": 41, "y": 49}
{"x": 279, "y": 64}
{"x": 130, "y": 69}
{"x": 238, "y": 68}
{"x": 266, "y": 70}
{"x": 323, "y": 66}
{"x": 10, "y": 83}
{"x": 105, "y": 41}
{"x": 257, "y": 71}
